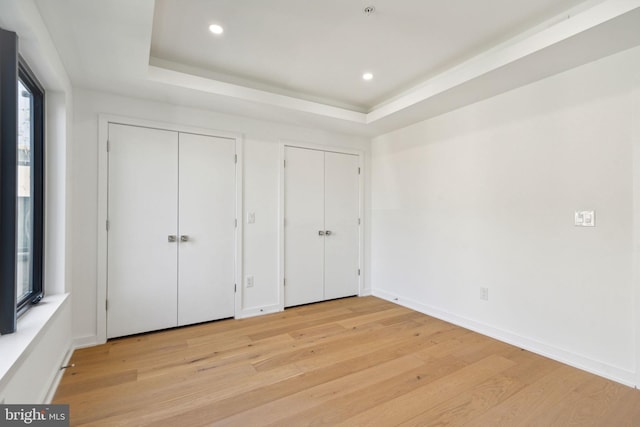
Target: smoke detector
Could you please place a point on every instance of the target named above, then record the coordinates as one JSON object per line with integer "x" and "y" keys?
{"x": 369, "y": 10}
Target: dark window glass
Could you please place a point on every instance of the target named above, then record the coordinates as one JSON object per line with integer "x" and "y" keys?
{"x": 24, "y": 231}
{"x": 29, "y": 188}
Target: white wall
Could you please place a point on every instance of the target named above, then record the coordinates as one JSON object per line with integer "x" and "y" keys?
{"x": 485, "y": 197}
{"x": 31, "y": 358}
{"x": 58, "y": 122}
{"x": 261, "y": 187}
{"x": 261, "y": 181}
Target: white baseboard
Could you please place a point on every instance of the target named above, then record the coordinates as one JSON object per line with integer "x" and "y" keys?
{"x": 365, "y": 292}
{"x": 86, "y": 341}
{"x": 613, "y": 373}
{"x": 56, "y": 380}
{"x": 92, "y": 340}
{"x": 258, "y": 311}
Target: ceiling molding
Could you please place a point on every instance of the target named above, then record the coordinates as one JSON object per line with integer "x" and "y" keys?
{"x": 106, "y": 46}
{"x": 190, "y": 81}
{"x": 548, "y": 44}
{"x": 603, "y": 30}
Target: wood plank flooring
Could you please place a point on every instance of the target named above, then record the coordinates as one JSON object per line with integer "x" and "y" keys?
{"x": 349, "y": 362}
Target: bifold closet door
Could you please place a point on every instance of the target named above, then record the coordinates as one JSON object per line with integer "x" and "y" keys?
{"x": 142, "y": 211}
{"x": 206, "y": 228}
{"x": 304, "y": 223}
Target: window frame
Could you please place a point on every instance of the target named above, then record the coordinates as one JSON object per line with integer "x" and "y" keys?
{"x": 29, "y": 80}
{"x": 13, "y": 68}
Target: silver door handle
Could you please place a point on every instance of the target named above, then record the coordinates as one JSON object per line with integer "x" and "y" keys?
{"x": 328, "y": 232}
{"x": 171, "y": 238}
{"x": 320, "y": 233}
{"x": 184, "y": 238}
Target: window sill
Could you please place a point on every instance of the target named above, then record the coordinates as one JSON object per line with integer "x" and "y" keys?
{"x": 15, "y": 347}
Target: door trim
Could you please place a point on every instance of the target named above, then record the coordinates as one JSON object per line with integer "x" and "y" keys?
{"x": 103, "y": 183}
{"x": 281, "y": 205}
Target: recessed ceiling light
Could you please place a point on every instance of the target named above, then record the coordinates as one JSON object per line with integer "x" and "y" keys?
{"x": 216, "y": 29}
{"x": 367, "y": 76}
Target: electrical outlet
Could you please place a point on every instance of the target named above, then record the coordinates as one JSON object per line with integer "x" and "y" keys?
{"x": 249, "y": 281}
{"x": 585, "y": 218}
{"x": 484, "y": 294}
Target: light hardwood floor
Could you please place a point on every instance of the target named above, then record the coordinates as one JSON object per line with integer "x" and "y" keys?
{"x": 349, "y": 362}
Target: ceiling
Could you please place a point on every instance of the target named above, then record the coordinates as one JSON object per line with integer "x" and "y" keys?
{"x": 302, "y": 61}
{"x": 318, "y": 50}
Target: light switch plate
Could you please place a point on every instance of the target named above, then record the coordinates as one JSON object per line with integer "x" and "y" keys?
{"x": 585, "y": 219}
{"x": 251, "y": 218}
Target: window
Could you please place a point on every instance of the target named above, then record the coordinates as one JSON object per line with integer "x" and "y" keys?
{"x": 29, "y": 188}
{"x": 21, "y": 184}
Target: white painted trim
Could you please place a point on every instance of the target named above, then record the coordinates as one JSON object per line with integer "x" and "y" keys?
{"x": 635, "y": 138}
{"x": 239, "y": 255}
{"x": 319, "y": 147}
{"x": 507, "y": 53}
{"x": 281, "y": 147}
{"x": 366, "y": 292}
{"x": 556, "y": 33}
{"x": 175, "y": 127}
{"x": 101, "y": 262}
{"x": 86, "y": 341}
{"x": 611, "y": 372}
{"x": 16, "y": 347}
{"x": 103, "y": 182}
{"x": 53, "y": 387}
{"x": 281, "y": 250}
{"x": 30, "y": 346}
{"x": 361, "y": 264}
{"x": 259, "y": 311}
{"x": 203, "y": 84}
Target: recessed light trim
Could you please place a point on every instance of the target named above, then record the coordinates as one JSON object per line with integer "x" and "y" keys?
{"x": 367, "y": 76}
{"x": 216, "y": 29}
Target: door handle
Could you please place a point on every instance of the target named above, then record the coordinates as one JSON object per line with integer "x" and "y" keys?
{"x": 328, "y": 232}
{"x": 171, "y": 238}
{"x": 320, "y": 233}
{"x": 184, "y": 238}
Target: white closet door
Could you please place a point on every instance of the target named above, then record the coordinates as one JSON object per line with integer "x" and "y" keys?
{"x": 304, "y": 218}
{"x": 207, "y": 228}
{"x": 142, "y": 212}
{"x": 341, "y": 222}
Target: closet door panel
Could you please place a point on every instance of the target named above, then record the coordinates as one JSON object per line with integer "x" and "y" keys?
{"x": 341, "y": 221}
{"x": 206, "y": 228}
{"x": 304, "y": 219}
{"x": 142, "y": 213}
